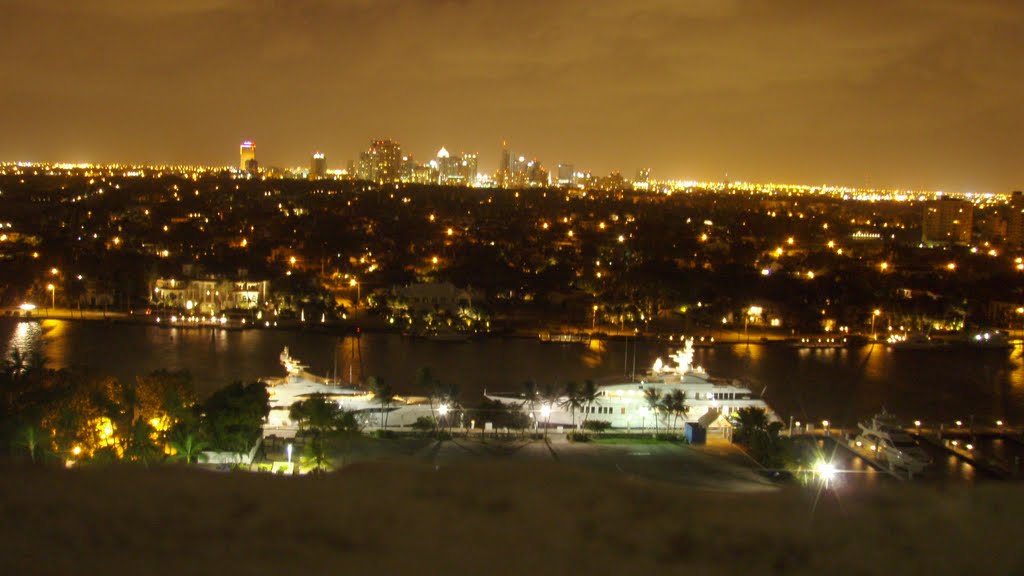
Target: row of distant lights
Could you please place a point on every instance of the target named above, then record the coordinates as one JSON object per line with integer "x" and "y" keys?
{"x": 196, "y": 320}
{"x": 212, "y": 320}
{"x": 917, "y": 423}
{"x": 822, "y": 340}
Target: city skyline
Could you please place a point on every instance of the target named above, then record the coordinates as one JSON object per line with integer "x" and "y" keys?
{"x": 896, "y": 96}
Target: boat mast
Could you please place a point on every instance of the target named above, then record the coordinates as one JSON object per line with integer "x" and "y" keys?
{"x": 625, "y": 357}
{"x": 351, "y": 358}
{"x": 335, "y": 350}
{"x": 634, "y": 361}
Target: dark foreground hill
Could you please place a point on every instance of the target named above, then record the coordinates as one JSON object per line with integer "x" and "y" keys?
{"x": 486, "y": 519}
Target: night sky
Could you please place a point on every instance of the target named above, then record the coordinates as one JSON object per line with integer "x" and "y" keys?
{"x": 893, "y": 93}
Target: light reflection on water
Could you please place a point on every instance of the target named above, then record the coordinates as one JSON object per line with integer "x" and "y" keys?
{"x": 843, "y": 386}
{"x": 25, "y": 338}
{"x": 957, "y": 468}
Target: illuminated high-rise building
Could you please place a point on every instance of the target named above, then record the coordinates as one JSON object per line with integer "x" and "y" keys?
{"x": 454, "y": 170}
{"x": 382, "y": 162}
{"x": 1015, "y": 220}
{"x": 470, "y": 168}
{"x": 318, "y": 166}
{"x": 566, "y": 175}
{"x": 446, "y": 167}
{"x": 504, "y": 174}
{"x": 947, "y": 221}
{"x": 517, "y": 173}
{"x": 247, "y": 153}
{"x": 643, "y": 179}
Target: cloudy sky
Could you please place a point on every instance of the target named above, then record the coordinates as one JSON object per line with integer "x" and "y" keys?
{"x": 889, "y": 93}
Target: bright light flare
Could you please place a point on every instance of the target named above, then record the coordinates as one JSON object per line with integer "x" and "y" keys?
{"x": 826, "y": 470}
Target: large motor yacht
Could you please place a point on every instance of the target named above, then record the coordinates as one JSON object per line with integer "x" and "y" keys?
{"x": 624, "y": 405}
{"x": 298, "y": 384}
{"x": 886, "y": 439}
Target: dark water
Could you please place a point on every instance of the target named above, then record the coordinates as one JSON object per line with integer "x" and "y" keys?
{"x": 842, "y": 386}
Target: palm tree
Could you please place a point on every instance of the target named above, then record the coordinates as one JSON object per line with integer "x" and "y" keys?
{"x": 128, "y": 399}
{"x": 681, "y": 406}
{"x": 385, "y": 394}
{"x": 449, "y": 394}
{"x": 530, "y": 393}
{"x": 187, "y": 446}
{"x": 674, "y": 404}
{"x": 588, "y": 396}
{"x": 30, "y": 441}
{"x": 653, "y": 400}
{"x": 319, "y": 417}
{"x": 139, "y": 443}
{"x": 572, "y": 399}
{"x": 15, "y": 364}
{"x": 750, "y": 422}
{"x": 550, "y": 396}
{"x": 669, "y": 406}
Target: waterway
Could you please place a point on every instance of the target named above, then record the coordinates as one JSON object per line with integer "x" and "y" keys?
{"x": 840, "y": 385}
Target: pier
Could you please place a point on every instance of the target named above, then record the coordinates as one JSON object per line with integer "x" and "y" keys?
{"x": 972, "y": 445}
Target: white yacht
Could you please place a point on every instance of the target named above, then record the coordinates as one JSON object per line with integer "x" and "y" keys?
{"x": 624, "y": 405}
{"x": 298, "y": 384}
{"x": 883, "y": 436}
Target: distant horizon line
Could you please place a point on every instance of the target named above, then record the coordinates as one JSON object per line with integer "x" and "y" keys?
{"x": 676, "y": 181}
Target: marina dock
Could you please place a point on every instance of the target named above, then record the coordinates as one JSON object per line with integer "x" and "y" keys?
{"x": 994, "y": 451}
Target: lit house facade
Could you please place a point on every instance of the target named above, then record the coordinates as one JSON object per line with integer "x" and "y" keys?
{"x": 209, "y": 296}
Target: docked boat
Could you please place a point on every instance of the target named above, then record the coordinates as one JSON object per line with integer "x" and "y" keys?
{"x": 883, "y": 437}
{"x": 564, "y": 337}
{"x": 915, "y": 341}
{"x": 989, "y": 340}
{"x": 446, "y": 334}
{"x": 624, "y": 405}
{"x": 298, "y": 384}
{"x": 827, "y": 342}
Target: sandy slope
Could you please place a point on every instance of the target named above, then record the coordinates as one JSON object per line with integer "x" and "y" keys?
{"x": 495, "y": 518}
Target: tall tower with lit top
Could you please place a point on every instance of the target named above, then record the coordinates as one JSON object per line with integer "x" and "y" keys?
{"x": 247, "y": 154}
{"x": 318, "y": 166}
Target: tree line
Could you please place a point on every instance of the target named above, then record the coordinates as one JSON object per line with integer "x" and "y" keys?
{"x": 69, "y": 416}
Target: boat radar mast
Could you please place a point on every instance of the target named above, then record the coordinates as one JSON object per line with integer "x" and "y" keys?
{"x": 291, "y": 365}
{"x": 683, "y": 360}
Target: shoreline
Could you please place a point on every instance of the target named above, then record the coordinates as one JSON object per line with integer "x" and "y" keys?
{"x": 561, "y": 335}
{"x": 374, "y": 325}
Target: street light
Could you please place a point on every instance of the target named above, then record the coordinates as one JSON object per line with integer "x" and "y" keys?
{"x": 442, "y": 410}
{"x": 874, "y": 315}
{"x": 53, "y": 295}
{"x": 354, "y": 283}
{"x": 593, "y": 323}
